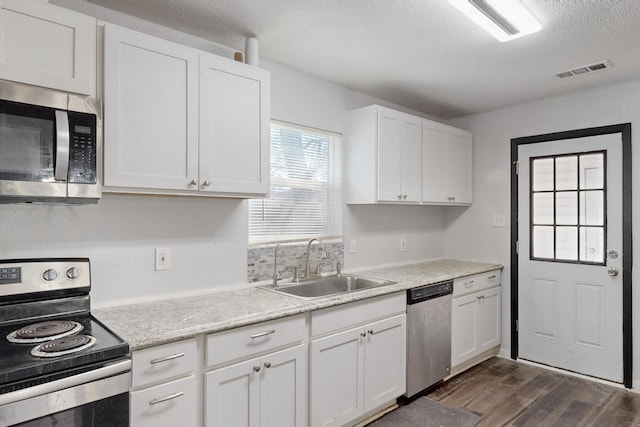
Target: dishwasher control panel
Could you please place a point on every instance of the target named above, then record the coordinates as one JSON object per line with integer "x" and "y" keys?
{"x": 427, "y": 292}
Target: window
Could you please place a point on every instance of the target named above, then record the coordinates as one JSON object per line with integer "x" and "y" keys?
{"x": 306, "y": 187}
{"x": 568, "y": 199}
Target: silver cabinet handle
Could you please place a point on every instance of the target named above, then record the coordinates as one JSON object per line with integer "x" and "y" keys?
{"x": 492, "y": 277}
{"x": 256, "y": 368}
{"x": 206, "y": 183}
{"x": 166, "y": 398}
{"x": 399, "y": 196}
{"x": 468, "y": 284}
{"x": 370, "y": 331}
{"x": 263, "y": 334}
{"x": 193, "y": 182}
{"x": 62, "y": 146}
{"x": 166, "y": 359}
{"x": 404, "y": 197}
{"x": 267, "y": 365}
{"x": 363, "y": 334}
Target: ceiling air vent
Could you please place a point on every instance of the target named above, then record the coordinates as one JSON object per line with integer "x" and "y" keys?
{"x": 584, "y": 69}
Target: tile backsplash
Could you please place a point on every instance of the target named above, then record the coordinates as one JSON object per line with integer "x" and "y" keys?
{"x": 260, "y": 260}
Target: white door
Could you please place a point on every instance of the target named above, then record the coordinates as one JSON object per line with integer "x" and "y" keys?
{"x": 570, "y": 221}
{"x": 283, "y": 389}
{"x": 385, "y": 361}
{"x": 337, "y": 370}
{"x": 232, "y": 395}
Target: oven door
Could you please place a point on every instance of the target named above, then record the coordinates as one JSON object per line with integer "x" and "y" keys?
{"x": 96, "y": 398}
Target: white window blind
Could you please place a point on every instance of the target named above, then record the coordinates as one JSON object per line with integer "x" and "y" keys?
{"x": 306, "y": 187}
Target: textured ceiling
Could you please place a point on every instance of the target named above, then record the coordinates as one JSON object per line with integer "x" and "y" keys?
{"x": 422, "y": 54}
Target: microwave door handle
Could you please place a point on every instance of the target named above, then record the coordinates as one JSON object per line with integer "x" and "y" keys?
{"x": 62, "y": 146}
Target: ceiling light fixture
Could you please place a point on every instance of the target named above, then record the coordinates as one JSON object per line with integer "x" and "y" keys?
{"x": 503, "y": 19}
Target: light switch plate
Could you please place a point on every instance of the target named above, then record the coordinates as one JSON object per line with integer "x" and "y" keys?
{"x": 163, "y": 259}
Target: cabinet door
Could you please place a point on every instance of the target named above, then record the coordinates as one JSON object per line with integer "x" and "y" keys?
{"x": 399, "y": 146}
{"x": 283, "y": 387}
{"x": 150, "y": 112}
{"x": 385, "y": 361}
{"x": 336, "y": 378}
{"x": 232, "y": 395}
{"x": 167, "y": 404}
{"x": 234, "y": 127}
{"x": 434, "y": 167}
{"x": 459, "y": 166}
{"x": 464, "y": 328}
{"x": 488, "y": 320}
{"x": 48, "y": 46}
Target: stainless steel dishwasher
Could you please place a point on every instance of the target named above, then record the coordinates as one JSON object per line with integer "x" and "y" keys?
{"x": 428, "y": 335}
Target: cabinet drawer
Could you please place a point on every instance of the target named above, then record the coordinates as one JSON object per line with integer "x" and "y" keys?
{"x": 250, "y": 340}
{"x": 163, "y": 362}
{"x": 477, "y": 282}
{"x": 345, "y": 316}
{"x": 169, "y": 404}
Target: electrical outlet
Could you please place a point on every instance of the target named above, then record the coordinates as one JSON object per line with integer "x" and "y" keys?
{"x": 403, "y": 245}
{"x": 163, "y": 259}
{"x": 352, "y": 246}
{"x": 498, "y": 220}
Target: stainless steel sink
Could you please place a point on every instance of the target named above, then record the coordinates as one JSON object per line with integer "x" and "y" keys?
{"x": 328, "y": 286}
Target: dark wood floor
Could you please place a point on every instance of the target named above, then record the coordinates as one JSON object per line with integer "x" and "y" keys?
{"x": 507, "y": 393}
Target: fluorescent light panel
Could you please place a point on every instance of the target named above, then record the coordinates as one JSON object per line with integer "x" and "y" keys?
{"x": 504, "y": 19}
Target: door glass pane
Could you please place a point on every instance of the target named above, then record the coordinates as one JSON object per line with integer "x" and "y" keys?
{"x": 592, "y": 171}
{"x": 567, "y": 243}
{"x": 567, "y": 173}
{"x": 542, "y": 242}
{"x": 592, "y": 207}
{"x": 567, "y": 208}
{"x": 592, "y": 244}
{"x": 542, "y": 175}
{"x": 543, "y": 208}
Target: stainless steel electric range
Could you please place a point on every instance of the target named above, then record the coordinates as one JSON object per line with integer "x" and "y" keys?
{"x": 59, "y": 366}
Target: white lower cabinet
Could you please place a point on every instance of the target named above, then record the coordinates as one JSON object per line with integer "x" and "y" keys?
{"x": 164, "y": 391}
{"x": 258, "y": 375}
{"x": 168, "y": 404}
{"x": 475, "y": 324}
{"x": 356, "y": 371}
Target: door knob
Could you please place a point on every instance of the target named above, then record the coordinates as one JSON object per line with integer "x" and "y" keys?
{"x": 612, "y": 254}
{"x": 612, "y": 271}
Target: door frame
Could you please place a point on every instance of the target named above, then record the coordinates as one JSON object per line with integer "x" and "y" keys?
{"x": 627, "y": 247}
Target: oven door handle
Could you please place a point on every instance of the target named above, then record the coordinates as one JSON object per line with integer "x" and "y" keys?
{"x": 68, "y": 382}
{"x": 61, "y": 171}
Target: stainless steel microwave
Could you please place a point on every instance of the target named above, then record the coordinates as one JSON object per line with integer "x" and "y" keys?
{"x": 50, "y": 146}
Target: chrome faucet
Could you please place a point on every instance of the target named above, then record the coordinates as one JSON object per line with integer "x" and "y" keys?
{"x": 307, "y": 265}
{"x": 275, "y": 264}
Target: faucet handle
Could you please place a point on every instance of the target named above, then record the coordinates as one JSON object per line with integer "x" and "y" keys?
{"x": 338, "y": 269}
{"x": 296, "y": 274}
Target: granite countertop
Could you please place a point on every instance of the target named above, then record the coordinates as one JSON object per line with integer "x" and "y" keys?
{"x": 152, "y": 323}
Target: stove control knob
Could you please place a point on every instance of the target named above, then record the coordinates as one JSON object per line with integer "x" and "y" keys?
{"x": 50, "y": 275}
{"x": 73, "y": 273}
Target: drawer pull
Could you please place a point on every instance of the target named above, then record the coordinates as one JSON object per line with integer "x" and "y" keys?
{"x": 492, "y": 277}
{"x": 256, "y": 368}
{"x": 267, "y": 365}
{"x": 263, "y": 334}
{"x": 166, "y": 398}
{"x": 166, "y": 359}
{"x": 370, "y": 331}
{"x": 468, "y": 284}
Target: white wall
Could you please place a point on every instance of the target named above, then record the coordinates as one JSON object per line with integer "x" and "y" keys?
{"x": 469, "y": 233}
{"x": 207, "y": 237}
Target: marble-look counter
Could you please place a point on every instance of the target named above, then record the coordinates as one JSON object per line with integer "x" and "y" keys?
{"x": 147, "y": 324}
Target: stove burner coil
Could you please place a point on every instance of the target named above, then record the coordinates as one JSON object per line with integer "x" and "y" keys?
{"x": 62, "y": 346}
{"x": 44, "y": 331}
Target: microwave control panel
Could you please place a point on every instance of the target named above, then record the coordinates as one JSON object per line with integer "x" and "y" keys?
{"x": 82, "y": 148}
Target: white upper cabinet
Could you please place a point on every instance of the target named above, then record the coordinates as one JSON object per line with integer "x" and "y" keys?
{"x": 150, "y": 112}
{"x": 234, "y": 127}
{"x": 383, "y": 156}
{"x": 446, "y": 164}
{"x": 46, "y": 45}
{"x": 180, "y": 121}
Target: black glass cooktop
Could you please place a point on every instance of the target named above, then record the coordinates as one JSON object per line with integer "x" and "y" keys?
{"x": 19, "y": 367}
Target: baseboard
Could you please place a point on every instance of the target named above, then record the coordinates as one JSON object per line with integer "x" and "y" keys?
{"x": 375, "y": 416}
